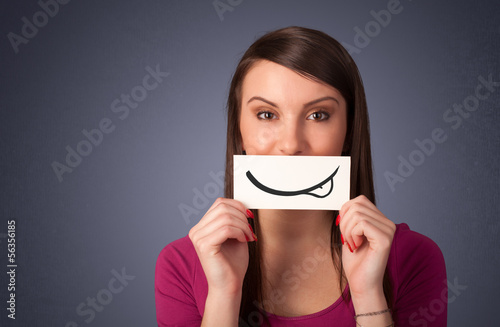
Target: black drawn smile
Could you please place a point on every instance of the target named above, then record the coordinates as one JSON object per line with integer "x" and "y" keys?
{"x": 306, "y": 191}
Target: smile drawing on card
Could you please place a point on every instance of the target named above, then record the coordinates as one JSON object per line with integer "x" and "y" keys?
{"x": 291, "y": 182}
{"x": 307, "y": 191}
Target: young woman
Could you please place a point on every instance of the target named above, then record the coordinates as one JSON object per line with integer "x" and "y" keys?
{"x": 296, "y": 91}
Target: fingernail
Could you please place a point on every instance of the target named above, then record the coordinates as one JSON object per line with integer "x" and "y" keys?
{"x": 337, "y": 220}
{"x": 342, "y": 238}
{"x": 249, "y": 214}
{"x": 349, "y": 247}
{"x": 354, "y": 244}
{"x": 246, "y": 237}
{"x": 253, "y": 234}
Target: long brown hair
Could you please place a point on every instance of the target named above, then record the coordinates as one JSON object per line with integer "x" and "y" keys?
{"x": 317, "y": 56}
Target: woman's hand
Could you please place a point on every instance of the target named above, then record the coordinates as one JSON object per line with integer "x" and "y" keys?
{"x": 220, "y": 240}
{"x": 367, "y": 237}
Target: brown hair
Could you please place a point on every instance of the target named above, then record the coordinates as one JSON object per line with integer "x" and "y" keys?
{"x": 317, "y": 56}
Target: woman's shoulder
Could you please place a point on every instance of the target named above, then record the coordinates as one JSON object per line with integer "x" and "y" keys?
{"x": 182, "y": 244}
{"x": 177, "y": 263}
{"x": 178, "y": 253}
{"x": 408, "y": 244}
{"x": 178, "y": 267}
{"x": 180, "y": 285}
{"x": 415, "y": 259}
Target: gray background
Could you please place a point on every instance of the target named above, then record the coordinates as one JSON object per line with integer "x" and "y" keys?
{"x": 120, "y": 206}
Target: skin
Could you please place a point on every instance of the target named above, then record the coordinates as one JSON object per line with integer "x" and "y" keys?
{"x": 284, "y": 113}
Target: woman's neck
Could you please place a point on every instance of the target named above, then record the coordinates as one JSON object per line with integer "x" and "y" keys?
{"x": 297, "y": 260}
{"x": 294, "y": 233}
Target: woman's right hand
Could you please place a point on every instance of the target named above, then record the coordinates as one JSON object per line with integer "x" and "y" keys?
{"x": 220, "y": 239}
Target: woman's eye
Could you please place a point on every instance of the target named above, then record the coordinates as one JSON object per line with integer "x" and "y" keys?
{"x": 266, "y": 115}
{"x": 318, "y": 115}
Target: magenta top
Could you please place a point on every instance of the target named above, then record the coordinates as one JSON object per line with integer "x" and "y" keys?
{"x": 416, "y": 268}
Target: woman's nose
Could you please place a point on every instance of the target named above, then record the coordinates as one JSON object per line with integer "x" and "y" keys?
{"x": 291, "y": 139}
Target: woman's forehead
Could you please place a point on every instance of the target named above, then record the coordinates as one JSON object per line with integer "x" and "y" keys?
{"x": 278, "y": 83}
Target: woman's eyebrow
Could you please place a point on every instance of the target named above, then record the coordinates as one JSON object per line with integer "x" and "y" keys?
{"x": 319, "y": 100}
{"x": 263, "y": 100}
{"x": 305, "y": 105}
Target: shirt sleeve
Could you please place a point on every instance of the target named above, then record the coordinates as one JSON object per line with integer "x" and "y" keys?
{"x": 174, "y": 279}
{"x": 421, "y": 292}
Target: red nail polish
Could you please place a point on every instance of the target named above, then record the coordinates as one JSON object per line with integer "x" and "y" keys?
{"x": 342, "y": 239}
{"x": 349, "y": 247}
{"x": 249, "y": 214}
{"x": 246, "y": 238}
{"x": 337, "y": 221}
{"x": 253, "y": 234}
{"x": 354, "y": 244}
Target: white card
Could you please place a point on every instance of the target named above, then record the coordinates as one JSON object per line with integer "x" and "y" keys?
{"x": 292, "y": 182}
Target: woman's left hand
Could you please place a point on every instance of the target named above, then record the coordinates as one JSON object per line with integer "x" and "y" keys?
{"x": 368, "y": 233}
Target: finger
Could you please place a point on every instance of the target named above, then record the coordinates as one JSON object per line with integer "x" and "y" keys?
{"x": 216, "y": 225}
{"x": 354, "y": 219}
{"x": 359, "y": 200}
{"x": 211, "y": 243}
{"x": 224, "y": 219}
{"x": 223, "y": 206}
{"x": 351, "y": 220}
{"x": 226, "y": 209}
{"x": 360, "y": 208}
{"x": 230, "y": 202}
{"x": 378, "y": 238}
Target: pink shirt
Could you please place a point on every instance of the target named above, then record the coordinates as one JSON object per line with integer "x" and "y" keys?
{"x": 416, "y": 268}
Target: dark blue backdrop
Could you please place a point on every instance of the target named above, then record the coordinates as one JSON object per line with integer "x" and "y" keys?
{"x": 112, "y": 119}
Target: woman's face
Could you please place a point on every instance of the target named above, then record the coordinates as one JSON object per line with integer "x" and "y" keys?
{"x": 283, "y": 113}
